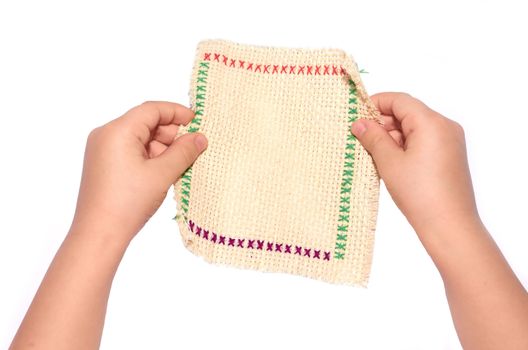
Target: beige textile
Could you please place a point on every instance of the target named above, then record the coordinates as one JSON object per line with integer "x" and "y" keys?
{"x": 283, "y": 186}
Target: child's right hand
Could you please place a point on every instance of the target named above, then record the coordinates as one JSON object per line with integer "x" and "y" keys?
{"x": 421, "y": 157}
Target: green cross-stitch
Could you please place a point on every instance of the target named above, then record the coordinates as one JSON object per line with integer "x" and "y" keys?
{"x": 345, "y": 190}
{"x": 194, "y": 127}
{"x": 348, "y": 172}
{"x": 342, "y": 228}
{"x": 340, "y": 246}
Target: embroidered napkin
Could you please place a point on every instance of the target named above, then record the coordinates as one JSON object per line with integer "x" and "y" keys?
{"x": 283, "y": 186}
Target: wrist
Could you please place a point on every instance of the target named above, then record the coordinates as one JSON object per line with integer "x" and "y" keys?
{"x": 449, "y": 242}
{"x": 100, "y": 234}
{"x": 444, "y": 227}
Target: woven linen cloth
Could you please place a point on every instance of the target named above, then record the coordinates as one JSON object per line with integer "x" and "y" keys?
{"x": 283, "y": 186}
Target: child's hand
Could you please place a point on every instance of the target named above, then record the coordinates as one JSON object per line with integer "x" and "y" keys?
{"x": 129, "y": 165}
{"x": 421, "y": 157}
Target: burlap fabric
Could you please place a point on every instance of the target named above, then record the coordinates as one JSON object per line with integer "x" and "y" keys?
{"x": 283, "y": 186}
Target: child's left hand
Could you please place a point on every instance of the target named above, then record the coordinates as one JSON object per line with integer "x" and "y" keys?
{"x": 129, "y": 165}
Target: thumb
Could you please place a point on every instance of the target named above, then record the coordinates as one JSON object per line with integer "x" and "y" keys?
{"x": 180, "y": 155}
{"x": 377, "y": 141}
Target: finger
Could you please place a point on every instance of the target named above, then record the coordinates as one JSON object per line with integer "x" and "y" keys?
{"x": 156, "y": 148}
{"x": 409, "y": 111}
{"x": 397, "y": 136}
{"x": 180, "y": 155}
{"x": 143, "y": 120}
{"x": 379, "y": 143}
{"x": 390, "y": 123}
{"x": 166, "y": 133}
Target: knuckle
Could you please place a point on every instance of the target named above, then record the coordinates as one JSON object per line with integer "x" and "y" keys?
{"x": 446, "y": 126}
{"x": 459, "y": 130}
{"x": 187, "y": 155}
{"x": 102, "y": 133}
{"x": 94, "y": 134}
{"x": 148, "y": 103}
{"x": 458, "y": 127}
{"x": 453, "y": 126}
{"x": 404, "y": 94}
{"x": 145, "y": 106}
{"x": 376, "y": 140}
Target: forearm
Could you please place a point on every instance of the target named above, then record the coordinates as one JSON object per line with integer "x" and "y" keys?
{"x": 69, "y": 308}
{"x": 488, "y": 303}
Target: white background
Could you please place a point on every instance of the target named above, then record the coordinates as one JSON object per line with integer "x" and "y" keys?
{"x": 66, "y": 68}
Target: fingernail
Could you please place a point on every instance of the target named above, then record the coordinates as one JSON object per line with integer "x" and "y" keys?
{"x": 201, "y": 142}
{"x": 359, "y": 128}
